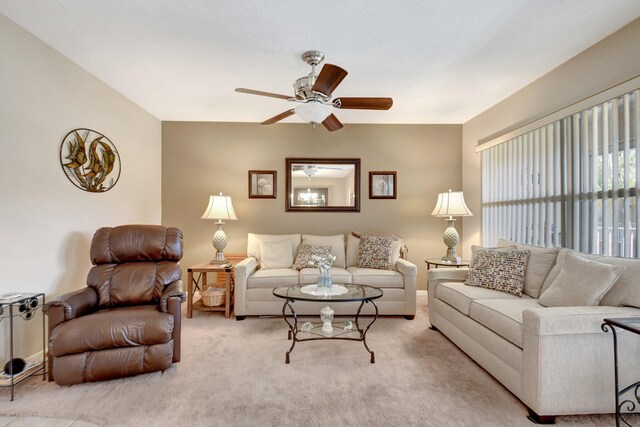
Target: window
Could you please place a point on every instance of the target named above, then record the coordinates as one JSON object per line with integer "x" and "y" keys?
{"x": 571, "y": 183}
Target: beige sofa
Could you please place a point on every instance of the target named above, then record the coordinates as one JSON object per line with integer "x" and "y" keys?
{"x": 254, "y": 285}
{"x": 556, "y": 360}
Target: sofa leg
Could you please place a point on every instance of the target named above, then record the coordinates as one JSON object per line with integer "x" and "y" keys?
{"x": 240, "y": 317}
{"x": 540, "y": 419}
{"x": 410, "y": 317}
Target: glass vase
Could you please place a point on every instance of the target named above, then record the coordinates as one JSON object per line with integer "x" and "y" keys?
{"x": 324, "y": 279}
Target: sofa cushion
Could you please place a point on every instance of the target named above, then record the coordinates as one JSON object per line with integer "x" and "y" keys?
{"x": 460, "y": 296}
{"x": 353, "y": 249}
{"x": 625, "y": 290}
{"x": 375, "y": 277}
{"x": 504, "y": 317}
{"x": 306, "y": 252}
{"x": 338, "y": 275}
{"x": 500, "y": 270}
{"x": 111, "y": 328}
{"x": 541, "y": 261}
{"x": 337, "y": 246}
{"x": 277, "y": 254}
{"x": 375, "y": 252}
{"x": 580, "y": 282}
{"x": 253, "y": 243}
{"x": 273, "y": 278}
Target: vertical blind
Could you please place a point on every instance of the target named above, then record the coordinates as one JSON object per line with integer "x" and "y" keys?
{"x": 571, "y": 183}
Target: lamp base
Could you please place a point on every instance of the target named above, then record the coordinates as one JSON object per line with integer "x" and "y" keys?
{"x": 451, "y": 239}
{"x": 219, "y": 243}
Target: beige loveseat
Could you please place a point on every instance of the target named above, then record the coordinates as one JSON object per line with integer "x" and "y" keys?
{"x": 254, "y": 285}
{"x": 556, "y": 360}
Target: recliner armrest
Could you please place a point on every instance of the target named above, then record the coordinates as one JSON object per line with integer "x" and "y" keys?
{"x": 75, "y": 304}
{"x": 173, "y": 290}
{"x": 406, "y": 268}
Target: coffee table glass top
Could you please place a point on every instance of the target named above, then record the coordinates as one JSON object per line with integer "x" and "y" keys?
{"x": 354, "y": 293}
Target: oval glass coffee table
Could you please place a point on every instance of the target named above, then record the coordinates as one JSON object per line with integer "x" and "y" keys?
{"x": 341, "y": 331}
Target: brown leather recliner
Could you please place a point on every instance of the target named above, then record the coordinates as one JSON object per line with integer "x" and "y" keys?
{"x": 127, "y": 320}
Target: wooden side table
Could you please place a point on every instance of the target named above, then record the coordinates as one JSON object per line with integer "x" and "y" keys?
{"x": 200, "y": 283}
{"x": 437, "y": 262}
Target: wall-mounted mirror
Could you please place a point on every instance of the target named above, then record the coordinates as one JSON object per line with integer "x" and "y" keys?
{"x": 323, "y": 185}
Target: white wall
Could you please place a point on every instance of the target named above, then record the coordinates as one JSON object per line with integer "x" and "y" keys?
{"x": 46, "y": 223}
{"x": 609, "y": 62}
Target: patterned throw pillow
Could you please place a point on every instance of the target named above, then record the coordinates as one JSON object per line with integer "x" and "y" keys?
{"x": 375, "y": 252}
{"x": 499, "y": 270}
{"x": 305, "y": 252}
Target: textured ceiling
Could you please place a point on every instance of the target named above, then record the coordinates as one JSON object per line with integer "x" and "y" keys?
{"x": 441, "y": 61}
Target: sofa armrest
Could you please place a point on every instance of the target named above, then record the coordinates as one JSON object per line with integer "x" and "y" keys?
{"x": 246, "y": 267}
{"x": 571, "y": 320}
{"x": 241, "y": 273}
{"x": 442, "y": 275}
{"x": 173, "y": 290}
{"x": 75, "y": 304}
{"x": 448, "y": 274}
{"x": 409, "y": 273}
{"x": 406, "y": 268}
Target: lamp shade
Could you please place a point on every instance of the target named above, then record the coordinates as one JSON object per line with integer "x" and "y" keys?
{"x": 220, "y": 207}
{"x": 451, "y": 204}
{"x": 313, "y": 112}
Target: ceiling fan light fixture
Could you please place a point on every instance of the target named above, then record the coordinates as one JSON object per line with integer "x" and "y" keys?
{"x": 314, "y": 112}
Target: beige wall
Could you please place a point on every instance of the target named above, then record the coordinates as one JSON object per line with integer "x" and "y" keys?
{"x": 200, "y": 159}
{"x": 605, "y": 64}
{"x": 46, "y": 223}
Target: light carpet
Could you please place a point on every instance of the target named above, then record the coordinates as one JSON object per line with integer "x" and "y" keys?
{"x": 233, "y": 374}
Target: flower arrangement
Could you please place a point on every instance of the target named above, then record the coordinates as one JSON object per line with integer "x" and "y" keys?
{"x": 323, "y": 263}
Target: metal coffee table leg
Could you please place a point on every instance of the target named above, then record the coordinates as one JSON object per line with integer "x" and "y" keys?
{"x": 293, "y": 328}
{"x": 363, "y": 333}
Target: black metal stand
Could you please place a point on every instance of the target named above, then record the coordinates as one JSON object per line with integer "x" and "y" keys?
{"x": 27, "y": 305}
{"x": 293, "y": 332}
{"x": 628, "y": 404}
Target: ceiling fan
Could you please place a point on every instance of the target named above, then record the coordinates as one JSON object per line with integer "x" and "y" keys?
{"x": 311, "y": 170}
{"x": 313, "y": 94}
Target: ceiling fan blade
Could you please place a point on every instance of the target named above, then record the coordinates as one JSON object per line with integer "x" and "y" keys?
{"x": 329, "y": 78}
{"x": 276, "y": 119}
{"x": 363, "y": 103}
{"x": 261, "y": 93}
{"x": 332, "y": 123}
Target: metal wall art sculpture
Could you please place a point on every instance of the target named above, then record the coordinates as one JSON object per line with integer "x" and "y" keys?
{"x": 90, "y": 160}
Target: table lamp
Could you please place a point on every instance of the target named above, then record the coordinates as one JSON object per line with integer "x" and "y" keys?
{"x": 219, "y": 208}
{"x": 451, "y": 204}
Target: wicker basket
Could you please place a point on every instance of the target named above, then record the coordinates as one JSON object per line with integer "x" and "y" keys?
{"x": 213, "y": 297}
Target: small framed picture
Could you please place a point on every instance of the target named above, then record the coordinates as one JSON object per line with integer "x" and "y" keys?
{"x": 383, "y": 185}
{"x": 262, "y": 184}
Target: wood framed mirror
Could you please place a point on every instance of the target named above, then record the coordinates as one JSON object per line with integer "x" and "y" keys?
{"x": 322, "y": 185}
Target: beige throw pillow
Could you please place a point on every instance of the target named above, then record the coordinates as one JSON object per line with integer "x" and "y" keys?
{"x": 336, "y": 244}
{"x": 306, "y": 252}
{"x": 276, "y": 254}
{"x": 500, "y": 270}
{"x": 541, "y": 261}
{"x": 580, "y": 282}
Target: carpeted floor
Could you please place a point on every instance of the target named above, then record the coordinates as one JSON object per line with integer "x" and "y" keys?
{"x": 233, "y": 374}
